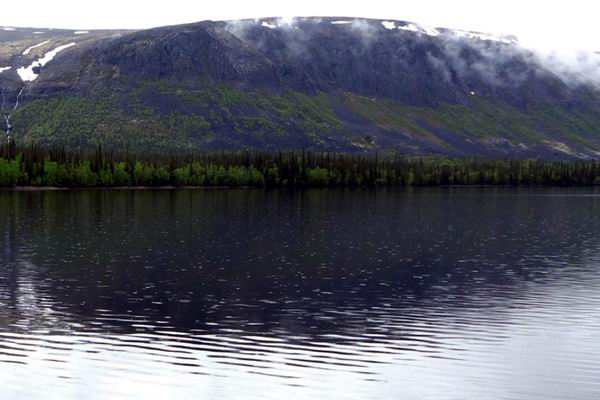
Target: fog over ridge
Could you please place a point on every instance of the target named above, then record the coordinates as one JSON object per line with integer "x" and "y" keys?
{"x": 574, "y": 67}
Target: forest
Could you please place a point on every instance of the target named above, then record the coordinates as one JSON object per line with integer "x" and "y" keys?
{"x": 55, "y": 166}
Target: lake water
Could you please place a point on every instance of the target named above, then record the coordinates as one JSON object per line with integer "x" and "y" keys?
{"x": 248, "y": 294}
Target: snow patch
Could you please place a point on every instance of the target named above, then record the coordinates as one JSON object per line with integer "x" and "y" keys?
{"x": 344, "y": 22}
{"x": 38, "y": 33}
{"x": 430, "y": 31}
{"x": 472, "y": 93}
{"x": 409, "y": 27}
{"x": 81, "y": 32}
{"x": 35, "y": 47}
{"x": 424, "y": 30}
{"x": 484, "y": 36}
{"x": 27, "y": 74}
{"x": 2, "y": 69}
{"x": 8, "y": 29}
{"x": 389, "y": 25}
{"x": 268, "y": 25}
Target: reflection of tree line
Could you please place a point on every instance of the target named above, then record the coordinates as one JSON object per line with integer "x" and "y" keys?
{"x": 281, "y": 260}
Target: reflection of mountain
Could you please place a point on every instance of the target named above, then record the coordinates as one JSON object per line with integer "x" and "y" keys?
{"x": 26, "y": 300}
{"x": 315, "y": 262}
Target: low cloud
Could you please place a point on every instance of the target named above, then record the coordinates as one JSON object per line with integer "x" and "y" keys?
{"x": 573, "y": 67}
{"x": 496, "y": 61}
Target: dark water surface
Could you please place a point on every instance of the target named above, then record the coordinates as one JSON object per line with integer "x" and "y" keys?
{"x": 246, "y": 294}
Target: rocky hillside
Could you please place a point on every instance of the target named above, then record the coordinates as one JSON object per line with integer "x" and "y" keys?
{"x": 329, "y": 84}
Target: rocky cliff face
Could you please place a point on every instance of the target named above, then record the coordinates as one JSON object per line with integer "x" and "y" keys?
{"x": 322, "y": 83}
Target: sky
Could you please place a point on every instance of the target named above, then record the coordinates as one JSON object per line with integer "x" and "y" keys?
{"x": 545, "y": 25}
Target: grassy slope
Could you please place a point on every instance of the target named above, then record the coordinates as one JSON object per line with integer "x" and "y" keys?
{"x": 484, "y": 120}
{"x": 159, "y": 114}
{"x": 154, "y": 116}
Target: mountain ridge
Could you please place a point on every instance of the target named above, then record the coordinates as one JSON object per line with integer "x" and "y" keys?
{"x": 330, "y": 84}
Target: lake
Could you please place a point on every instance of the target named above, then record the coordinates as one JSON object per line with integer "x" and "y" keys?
{"x": 448, "y": 293}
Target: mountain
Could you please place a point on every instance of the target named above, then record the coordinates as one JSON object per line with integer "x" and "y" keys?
{"x": 331, "y": 84}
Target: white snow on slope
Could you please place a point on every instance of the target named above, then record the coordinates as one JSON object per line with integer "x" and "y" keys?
{"x": 483, "y": 36}
{"x": 35, "y": 47}
{"x": 389, "y": 24}
{"x": 8, "y": 29}
{"x": 81, "y": 32}
{"x": 409, "y": 27}
{"x": 430, "y": 31}
{"x": 2, "y": 69}
{"x": 341, "y": 22}
{"x": 425, "y": 30}
{"x": 268, "y": 25}
{"x": 27, "y": 74}
{"x": 38, "y": 33}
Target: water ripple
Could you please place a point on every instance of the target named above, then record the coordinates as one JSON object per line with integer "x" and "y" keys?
{"x": 433, "y": 294}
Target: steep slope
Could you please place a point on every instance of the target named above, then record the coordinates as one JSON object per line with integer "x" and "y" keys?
{"x": 24, "y": 55}
{"x": 318, "y": 83}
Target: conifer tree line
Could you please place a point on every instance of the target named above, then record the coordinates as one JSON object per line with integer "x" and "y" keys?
{"x": 60, "y": 167}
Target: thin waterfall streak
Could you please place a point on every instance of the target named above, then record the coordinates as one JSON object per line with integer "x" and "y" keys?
{"x": 4, "y": 115}
{"x": 7, "y": 116}
{"x": 18, "y": 99}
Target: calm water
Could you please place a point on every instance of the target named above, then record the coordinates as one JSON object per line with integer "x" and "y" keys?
{"x": 245, "y": 294}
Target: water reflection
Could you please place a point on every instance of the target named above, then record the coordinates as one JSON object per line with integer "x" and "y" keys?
{"x": 446, "y": 293}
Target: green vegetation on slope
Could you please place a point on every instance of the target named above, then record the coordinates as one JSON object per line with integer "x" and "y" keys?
{"x": 83, "y": 122}
{"x": 161, "y": 114}
{"x": 157, "y": 115}
{"x": 483, "y": 120}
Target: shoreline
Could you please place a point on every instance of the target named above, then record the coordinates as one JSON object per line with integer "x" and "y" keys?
{"x": 142, "y": 188}
{"x": 68, "y": 189}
